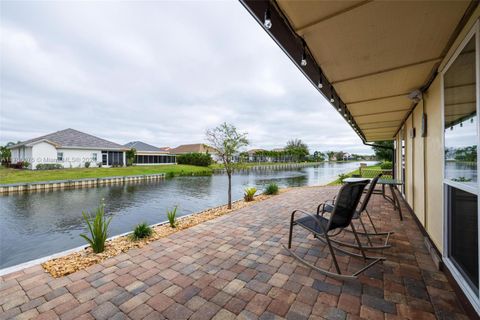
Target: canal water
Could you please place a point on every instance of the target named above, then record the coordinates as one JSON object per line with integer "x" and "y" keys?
{"x": 34, "y": 225}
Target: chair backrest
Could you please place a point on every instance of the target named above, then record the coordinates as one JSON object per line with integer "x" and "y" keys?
{"x": 346, "y": 204}
{"x": 369, "y": 193}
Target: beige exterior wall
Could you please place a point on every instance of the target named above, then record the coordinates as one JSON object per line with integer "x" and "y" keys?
{"x": 417, "y": 183}
{"x": 424, "y": 163}
{"x": 424, "y": 155}
{"x": 408, "y": 162}
{"x": 434, "y": 159}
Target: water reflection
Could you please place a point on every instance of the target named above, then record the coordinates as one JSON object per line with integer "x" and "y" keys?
{"x": 465, "y": 172}
{"x": 38, "y": 224}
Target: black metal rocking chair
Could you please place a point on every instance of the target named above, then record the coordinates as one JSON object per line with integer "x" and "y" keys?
{"x": 329, "y": 205}
{"x": 324, "y": 229}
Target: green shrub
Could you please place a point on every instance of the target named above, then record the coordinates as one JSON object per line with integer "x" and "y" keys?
{"x": 342, "y": 176}
{"x": 195, "y": 159}
{"x": 387, "y": 165}
{"x": 98, "y": 227}
{"x": 172, "y": 217}
{"x": 249, "y": 194}
{"x": 461, "y": 179}
{"x": 130, "y": 156}
{"x": 48, "y": 166}
{"x": 87, "y": 164}
{"x": 26, "y": 164}
{"x": 141, "y": 231}
{"x": 272, "y": 188}
{"x": 169, "y": 175}
{"x": 17, "y": 165}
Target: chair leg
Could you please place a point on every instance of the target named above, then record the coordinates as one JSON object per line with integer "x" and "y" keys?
{"x": 358, "y": 241}
{"x": 326, "y": 272}
{"x": 290, "y": 234}
{"x": 366, "y": 233}
{"x": 371, "y": 221}
{"x": 331, "y": 247}
{"x": 332, "y": 253}
{"x": 375, "y": 233}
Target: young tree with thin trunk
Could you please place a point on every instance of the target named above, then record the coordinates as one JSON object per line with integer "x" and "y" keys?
{"x": 227, "y": 141}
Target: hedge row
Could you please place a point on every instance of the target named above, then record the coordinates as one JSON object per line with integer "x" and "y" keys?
{"x": 195, "y": 159}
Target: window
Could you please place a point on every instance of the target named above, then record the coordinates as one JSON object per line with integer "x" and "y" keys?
{"x": 104, "y": 158}
{"x": 461, "y": 119}
{"x": 59, "y": 156}
{"x": 463, "y": 228}
{"x": 94, "y": 157}
{"x": 460, "y": 110}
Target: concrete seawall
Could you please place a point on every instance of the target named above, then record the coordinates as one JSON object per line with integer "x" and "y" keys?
{"x": 279, "y": 166}
{"x": 73, "y": 184}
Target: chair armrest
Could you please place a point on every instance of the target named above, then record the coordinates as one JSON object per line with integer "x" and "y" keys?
{"x": 317, "y": 220}
{"x": 321, "y": 208}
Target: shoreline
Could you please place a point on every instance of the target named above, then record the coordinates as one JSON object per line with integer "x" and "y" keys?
{"x": 6, "y": 189}
{"x": 221, "y": 211}
{"x": 19, "y": 176}
{"x": 79, "y": 258}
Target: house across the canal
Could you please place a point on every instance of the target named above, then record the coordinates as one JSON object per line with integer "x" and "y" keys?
{"x": 196, "y": 148}
{"x": 70, "y": 149}
{"x": 150, "y": 155}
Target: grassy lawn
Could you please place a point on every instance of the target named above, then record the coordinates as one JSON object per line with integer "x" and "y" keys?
{"x": 357, "y": 172}
{"x": 254, "y": 164}
{"x": 8, "y": 175}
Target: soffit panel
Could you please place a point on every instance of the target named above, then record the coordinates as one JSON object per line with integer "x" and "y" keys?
{"x": 382, "y": 124}
{"x": 393, "y": 83}
{"x": 372, "y": 50}
{"x": 372, "y": 37}
{"x": 379, "y": 138}
{"x": 389, "y": 104}
{"x": 303, "y": 13}
{"x": 381, "y": 117}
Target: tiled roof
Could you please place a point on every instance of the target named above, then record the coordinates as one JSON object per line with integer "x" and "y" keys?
{"x": 70, "y": 138}
{"x": 189, "y": 148}
{"x": 142, "y": 146}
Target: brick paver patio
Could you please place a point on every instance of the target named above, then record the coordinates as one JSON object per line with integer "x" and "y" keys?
{"x": 235, "y": 267}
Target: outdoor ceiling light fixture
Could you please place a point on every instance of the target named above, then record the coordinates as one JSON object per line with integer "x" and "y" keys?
{"x": 332, "y": 95}
{"x": 267, "y": 21}
{"x": 303, "y": 62}
{"x": 320, "y": 81}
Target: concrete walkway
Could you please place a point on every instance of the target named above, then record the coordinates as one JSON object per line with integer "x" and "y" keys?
{"x": 235, "y": 267}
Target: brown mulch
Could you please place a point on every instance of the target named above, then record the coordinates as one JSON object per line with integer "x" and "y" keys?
{"x": 76, "y": 261}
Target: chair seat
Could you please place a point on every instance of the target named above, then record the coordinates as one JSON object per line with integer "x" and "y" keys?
{"x": 311, "y": 224}
{"x": 329, "y": 208}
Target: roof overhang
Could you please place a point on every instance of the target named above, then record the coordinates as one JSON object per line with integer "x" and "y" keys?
{"x": 31, "y": 144}
{"x": 152, "y": 153}
{"x": 374, "y": 58}
{"x": 94, "y": 148}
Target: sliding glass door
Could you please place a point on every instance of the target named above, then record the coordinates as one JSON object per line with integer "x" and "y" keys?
{"x": 461, "y": 137}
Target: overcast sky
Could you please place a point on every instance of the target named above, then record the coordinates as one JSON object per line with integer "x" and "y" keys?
{"x": 159, "y": 72}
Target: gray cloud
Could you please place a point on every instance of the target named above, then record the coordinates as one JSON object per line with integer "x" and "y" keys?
{"x": 161, "y": 72}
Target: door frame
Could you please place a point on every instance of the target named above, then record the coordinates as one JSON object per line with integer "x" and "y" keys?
{"x": 471, "y": 295}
